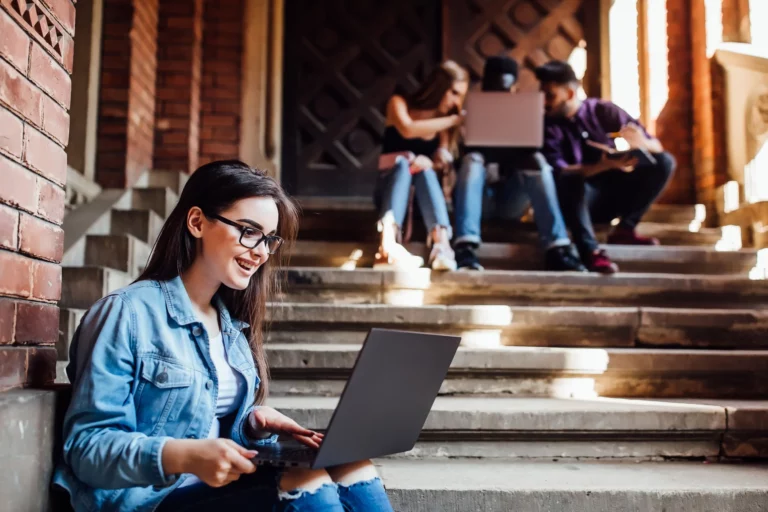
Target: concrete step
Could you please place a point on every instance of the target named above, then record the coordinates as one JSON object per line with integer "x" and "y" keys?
{"x": 664, "y": 259}
{"x": 142, "y": 224}
{"x": 605, "y": 486}
{"x": 82, "y": 286}
{"x": 662, "y": 213}
{"x": 161, "y": 200}
{"x": 360, "y": 226}
{"x": 121, "y": 252}
{"x": 421, "y": 286}
{"x": 69, "y": 320}
{"x": 27, "y": 433}
{"x": 493, "y": 326}
{"x": 173, "y": 180}
{"x": 322, "y": 370}
{"x": 545, "y": 428}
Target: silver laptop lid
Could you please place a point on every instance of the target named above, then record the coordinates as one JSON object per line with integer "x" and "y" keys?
{"x": 503, "y": 119}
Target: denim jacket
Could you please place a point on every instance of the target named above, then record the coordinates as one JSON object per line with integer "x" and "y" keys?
{"x": 142, "y": 374}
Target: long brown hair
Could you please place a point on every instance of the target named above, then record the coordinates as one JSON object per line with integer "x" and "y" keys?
{"x": 431, "y": 92}
{"x": 213, "y": 188}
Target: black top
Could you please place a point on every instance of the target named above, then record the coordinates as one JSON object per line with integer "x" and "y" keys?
{"x": 394, "y": 142}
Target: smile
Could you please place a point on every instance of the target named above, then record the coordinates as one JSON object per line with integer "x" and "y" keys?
{"x": 246, "y": 264}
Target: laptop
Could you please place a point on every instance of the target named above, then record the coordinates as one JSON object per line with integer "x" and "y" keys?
{"x": 384, "y": 404}
{"x": 504, "y": 119}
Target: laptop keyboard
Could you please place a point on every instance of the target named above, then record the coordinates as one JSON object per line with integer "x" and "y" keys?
{"x": 291, "y": 452}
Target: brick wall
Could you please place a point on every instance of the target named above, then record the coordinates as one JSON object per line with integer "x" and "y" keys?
{"x": 220, "y": 94}
{"x": 179, "y": 66}
{"x": 674, "y": 126}
{"x": 127, "y": 93}
{"x": 36, "y": 45}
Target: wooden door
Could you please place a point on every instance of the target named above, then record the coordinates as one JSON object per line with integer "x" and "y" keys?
{"x": 343, "y": 60}
{"x": 533, "y": 32}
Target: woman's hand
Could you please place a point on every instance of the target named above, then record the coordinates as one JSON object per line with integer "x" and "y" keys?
{"x": 267, "y": 419}
{"x": 216, "y": 462}
{"x": 421, "y": 163}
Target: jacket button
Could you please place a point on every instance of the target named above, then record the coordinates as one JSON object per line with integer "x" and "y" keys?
{"x": 209, "y": 384}
{"x": 191, "y": 436}
{"x": 163, "y": 377}
{"x": 196, "y": 331}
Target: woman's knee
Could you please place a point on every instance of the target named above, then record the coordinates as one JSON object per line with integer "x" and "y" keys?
{"x": 353, "y": 472}
{"x": 296, "y": 479}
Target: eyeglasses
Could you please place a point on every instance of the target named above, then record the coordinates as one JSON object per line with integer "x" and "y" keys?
{"x": 251, "y": 237}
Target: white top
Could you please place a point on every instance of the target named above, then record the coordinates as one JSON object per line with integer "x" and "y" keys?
{"x": 232, "y": 388}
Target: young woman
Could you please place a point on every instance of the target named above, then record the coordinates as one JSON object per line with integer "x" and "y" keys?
{"x": 422, "y": 132}
{"x": 169, "y": 373}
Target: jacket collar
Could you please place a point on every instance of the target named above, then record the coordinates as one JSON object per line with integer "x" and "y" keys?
{"x": 179, "y": 306}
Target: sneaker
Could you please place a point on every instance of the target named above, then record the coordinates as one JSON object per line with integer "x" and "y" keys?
{"x": 599, "y": 262}
{"x": 563, "y": 259}
{"x": 442, "y": 258}
{"x": 398, "y": 258}
{"x": 627, "y": 236}
{"x": 466, "y": 258}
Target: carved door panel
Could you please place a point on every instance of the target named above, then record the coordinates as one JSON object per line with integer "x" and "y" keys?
{"x": 343, "y": 60}
{"x": 531, "y": 31}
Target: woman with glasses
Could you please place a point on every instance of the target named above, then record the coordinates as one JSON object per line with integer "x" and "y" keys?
{"x": 169, "y": 374}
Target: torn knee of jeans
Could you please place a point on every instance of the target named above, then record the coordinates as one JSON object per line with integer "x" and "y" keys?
{"x": 295, "y": 494}
{"x": 361, "y": 483}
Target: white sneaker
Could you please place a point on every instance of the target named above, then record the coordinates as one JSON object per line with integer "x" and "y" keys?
{"x": 442, "y": 258}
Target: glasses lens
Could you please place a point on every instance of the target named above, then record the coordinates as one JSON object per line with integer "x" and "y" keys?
{"x": 251, "y": 237}
{"x": 273, "y": 244}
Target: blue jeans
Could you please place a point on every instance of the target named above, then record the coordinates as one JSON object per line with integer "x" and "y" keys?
{"x": 393, "y": 190}
{"x": 509, "y": 199}
{"x": 258, "y": 492}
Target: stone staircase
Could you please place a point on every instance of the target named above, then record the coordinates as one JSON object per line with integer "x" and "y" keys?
{"x": 639, "y": 391}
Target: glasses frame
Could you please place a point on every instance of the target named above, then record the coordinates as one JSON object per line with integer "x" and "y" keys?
{"x": 264, "y": 237}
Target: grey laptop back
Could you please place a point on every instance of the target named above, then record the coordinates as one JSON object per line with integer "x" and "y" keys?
{"x": 387, "y": 399}
{"x": 503, "y": 119}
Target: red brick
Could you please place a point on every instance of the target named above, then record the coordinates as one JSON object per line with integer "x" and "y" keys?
{"x": 51, "y": 202}
{"x": 14, "y": 45}
{"x": 7, "y": 320}
{"x": 36, "y": 324}
{"x": 64, "y": 11}
{"x": 15, "y": 274}
{"x": 11, "y": 130}
{"x": 19, "y": 186}
{"x": 40, "y": 239}
{"x": 9, "y": 228}
{"x": 45, "y": 156}
{"x": 49, "y": 75}
{"x": 219, "y": 120}
{"x": 220, "y": 148}
{"x": 46, "y": 281}
{"x": 55, "y": 121}
{"x": 19, "y": 94}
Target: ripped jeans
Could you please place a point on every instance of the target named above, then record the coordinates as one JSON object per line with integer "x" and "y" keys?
{"x": 258, "y": 492}
{"x": 508, "y": 199}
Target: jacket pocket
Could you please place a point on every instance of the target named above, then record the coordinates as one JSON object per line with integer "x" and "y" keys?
{"x": 162, "y": 382}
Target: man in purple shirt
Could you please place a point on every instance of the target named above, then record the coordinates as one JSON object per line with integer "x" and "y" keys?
{"x": 591, "y": 185}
